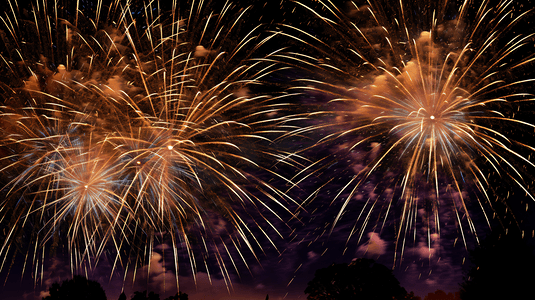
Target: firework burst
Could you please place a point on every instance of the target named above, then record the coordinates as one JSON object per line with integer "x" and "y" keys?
{"x": 429, "y": 104}
{"x": 129, "y": 126}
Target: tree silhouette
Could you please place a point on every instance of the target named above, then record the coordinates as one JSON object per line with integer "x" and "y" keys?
{"x": 502, "y": 268}
{"x": 441, "y": 295}
{"x": 412, "y": 296}
{"x": 361, "y": 279}
{"x": 178, "y": 296}
{"x": 77, "y": 288}
{"x": 143, "y": 296}
{"x": 122, "y": 296}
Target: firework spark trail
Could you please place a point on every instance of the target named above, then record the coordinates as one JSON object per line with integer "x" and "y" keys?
{"x": 431, "y": 91}
{"x": 131, "y": 126}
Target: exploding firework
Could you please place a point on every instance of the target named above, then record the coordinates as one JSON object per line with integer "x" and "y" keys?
{"x": 128, "y": 126}
{"x": 429, "y": 106}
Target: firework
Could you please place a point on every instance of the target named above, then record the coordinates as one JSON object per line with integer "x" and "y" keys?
{"x": 428, "y": 107}
{"x": 127, "y": 126}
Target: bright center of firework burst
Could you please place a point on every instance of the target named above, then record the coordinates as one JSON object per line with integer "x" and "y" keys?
{"x": 170, "y": 147}
{"x": 432, "y": 117}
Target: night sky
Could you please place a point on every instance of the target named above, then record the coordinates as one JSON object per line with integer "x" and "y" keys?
{"x": 323, "y": 143}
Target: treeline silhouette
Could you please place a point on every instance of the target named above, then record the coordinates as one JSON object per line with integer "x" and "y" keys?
{"x": 501, "y": 268}
{"x": 361, "y": 279}
{"x": 81, "y": 288}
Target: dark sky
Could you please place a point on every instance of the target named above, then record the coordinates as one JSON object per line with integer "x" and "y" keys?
{"x": 426, "y": 256}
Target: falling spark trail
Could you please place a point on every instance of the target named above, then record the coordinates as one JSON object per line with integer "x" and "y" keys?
{"x": 127, "y": 127}
{"x": 425, "y": 102}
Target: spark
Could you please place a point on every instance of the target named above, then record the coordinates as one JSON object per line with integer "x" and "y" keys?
{"x": 439, "y": 96}
{"x": 135, "y": 126}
